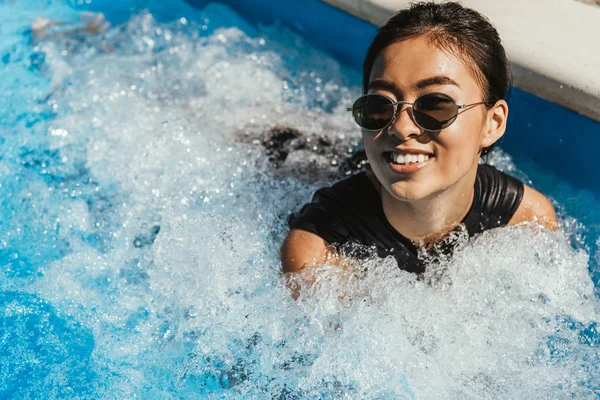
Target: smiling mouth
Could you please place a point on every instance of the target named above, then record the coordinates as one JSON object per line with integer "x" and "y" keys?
{"x": 407, "y": 159}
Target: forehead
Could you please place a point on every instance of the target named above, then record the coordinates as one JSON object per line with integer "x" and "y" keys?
{"x": 415, "y": 59}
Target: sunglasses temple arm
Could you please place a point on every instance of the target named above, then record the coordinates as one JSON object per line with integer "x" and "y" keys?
{"x": 462, "y": 107}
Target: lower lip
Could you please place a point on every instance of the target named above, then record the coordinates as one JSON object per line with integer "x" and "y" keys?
{"x": 408, "y": 168}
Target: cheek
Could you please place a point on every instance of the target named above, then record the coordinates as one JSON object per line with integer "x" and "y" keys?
{"x": 367, "y": 138}
{"x": 370, "y": 143}
{"x": 459, "y": 144}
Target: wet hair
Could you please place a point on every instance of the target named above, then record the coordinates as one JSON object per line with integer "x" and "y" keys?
{"x": 458, "y": 30}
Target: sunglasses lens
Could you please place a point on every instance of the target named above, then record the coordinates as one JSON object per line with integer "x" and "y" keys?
{"x": 373, "y": 112}
{"x": 435, "y": 111}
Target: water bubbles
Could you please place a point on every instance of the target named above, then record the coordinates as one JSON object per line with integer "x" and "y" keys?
{"x": 152, "y": 215}
{"x": 59, "y": 132}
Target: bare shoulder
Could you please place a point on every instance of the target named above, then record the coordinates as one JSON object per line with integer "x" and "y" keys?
{"x": 535, "y": 207}
{"x": 302, "y": 249}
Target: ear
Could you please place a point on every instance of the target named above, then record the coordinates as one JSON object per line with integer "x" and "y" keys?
{"x": 495, "y": 124}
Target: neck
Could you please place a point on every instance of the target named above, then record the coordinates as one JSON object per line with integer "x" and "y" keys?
{"x": 428, "y": 220}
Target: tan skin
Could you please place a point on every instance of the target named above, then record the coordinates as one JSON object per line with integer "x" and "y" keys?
{"x": 426, "y": 205}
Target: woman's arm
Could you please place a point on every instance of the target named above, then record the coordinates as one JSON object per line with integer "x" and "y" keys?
{"x": 303, "y": 250}
{"x": 535, "y": 207}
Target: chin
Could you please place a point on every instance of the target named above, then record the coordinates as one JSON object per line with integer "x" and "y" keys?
{"x": 408, "y": 191}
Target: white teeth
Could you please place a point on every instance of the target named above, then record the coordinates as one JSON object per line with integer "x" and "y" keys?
{"x": 408, "y": 158}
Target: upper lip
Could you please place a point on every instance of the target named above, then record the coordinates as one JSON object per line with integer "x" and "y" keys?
{"x": 405, "y": 152}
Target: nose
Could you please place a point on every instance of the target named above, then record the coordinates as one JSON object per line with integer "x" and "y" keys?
{"x": 404, "y": 126}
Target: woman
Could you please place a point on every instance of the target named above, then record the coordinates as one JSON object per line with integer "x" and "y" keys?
{"x": 435, "y": 80}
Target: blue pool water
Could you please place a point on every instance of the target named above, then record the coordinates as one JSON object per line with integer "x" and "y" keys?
{"x": 139, "y": 232}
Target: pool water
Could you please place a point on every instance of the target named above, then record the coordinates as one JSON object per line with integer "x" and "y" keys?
{"x": 139, "y": 230}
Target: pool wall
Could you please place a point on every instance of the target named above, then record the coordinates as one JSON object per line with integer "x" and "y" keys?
{"x": 561, "y": 141}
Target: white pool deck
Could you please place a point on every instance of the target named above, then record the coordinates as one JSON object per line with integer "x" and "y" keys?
{"x": 553, "y": 45}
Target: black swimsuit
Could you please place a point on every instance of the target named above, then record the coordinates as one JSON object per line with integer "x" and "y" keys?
{"x": 350, "y": 212}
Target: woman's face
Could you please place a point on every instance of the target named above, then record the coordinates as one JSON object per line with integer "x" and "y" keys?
{"x": 404, "y": 71}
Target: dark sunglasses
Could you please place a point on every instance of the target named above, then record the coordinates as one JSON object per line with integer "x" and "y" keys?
{"x": 432, "y": 111}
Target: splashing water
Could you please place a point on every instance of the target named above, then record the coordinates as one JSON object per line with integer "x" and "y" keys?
{"x": 139, "y": 235}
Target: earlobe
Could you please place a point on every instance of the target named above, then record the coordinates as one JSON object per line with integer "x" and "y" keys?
{"x": 496, "y": 123}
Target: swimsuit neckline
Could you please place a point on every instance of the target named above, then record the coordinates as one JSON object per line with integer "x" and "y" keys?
{"x": 375, "y": 198}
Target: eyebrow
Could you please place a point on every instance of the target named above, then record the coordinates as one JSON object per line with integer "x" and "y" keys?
{"x": 436, "y": 80}
{"x": 420, "y": 85}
